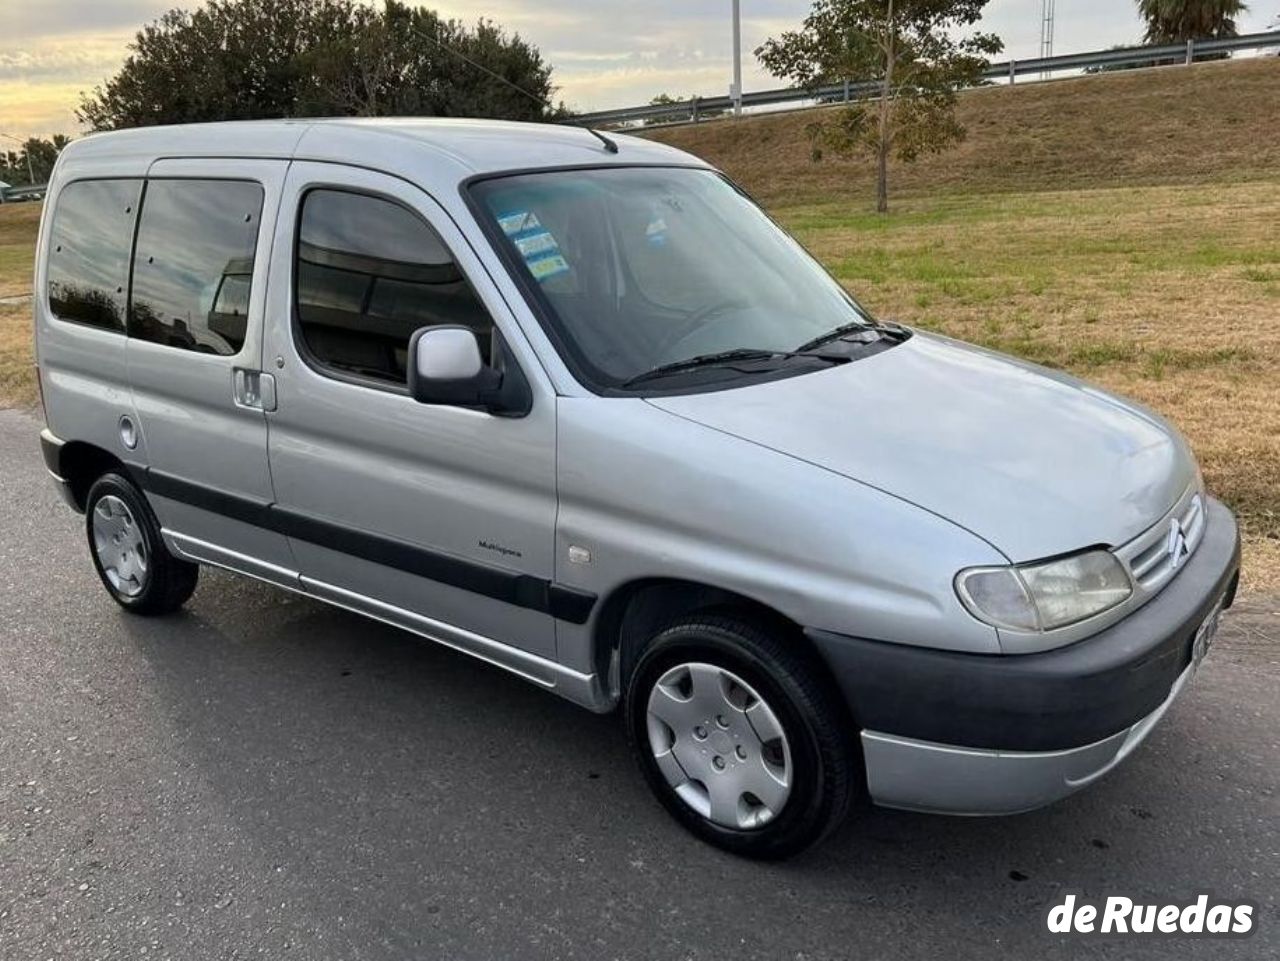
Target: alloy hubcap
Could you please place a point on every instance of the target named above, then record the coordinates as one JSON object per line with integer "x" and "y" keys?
{"x": 719, "y": 745}
{"x": 118, "y": 542}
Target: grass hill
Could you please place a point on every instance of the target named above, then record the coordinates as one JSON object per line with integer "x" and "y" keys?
{"x": 1210, "y": 122}
{"x": 1125, "y": 227}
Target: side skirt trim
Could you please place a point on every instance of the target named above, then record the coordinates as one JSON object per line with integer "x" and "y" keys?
{"x": 582, "y": 689}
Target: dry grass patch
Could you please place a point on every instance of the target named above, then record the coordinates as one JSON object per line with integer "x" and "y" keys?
{"x": 1233, "y": 421}
{"x": 18, "y": 226}
{"x": 17, "y": 374}
{"x": 1169, "y": 295}
{"x": 1213, "y": 121}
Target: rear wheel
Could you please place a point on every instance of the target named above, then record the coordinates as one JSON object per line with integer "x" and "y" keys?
{"x": 740, "y": 736}
{"x": 128, "y": 552}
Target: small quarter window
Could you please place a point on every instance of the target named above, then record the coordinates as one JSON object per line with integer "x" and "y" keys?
{"x": 193, "y": 271}
{"x": 88, "y": 263}
{"x": 369, "y": 273}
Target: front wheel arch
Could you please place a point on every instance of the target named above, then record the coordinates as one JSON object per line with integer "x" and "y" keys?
{"x": 632, "y": 614}
{"x": 635, "y": 613}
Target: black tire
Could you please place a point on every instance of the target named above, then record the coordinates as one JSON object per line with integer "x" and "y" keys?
{"x": 169, "y": 581}
{"x": 826, "y": 769}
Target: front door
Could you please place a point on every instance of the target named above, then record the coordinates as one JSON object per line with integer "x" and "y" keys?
{"x": 391, "y": 505}
{"x": 194, "y": 352}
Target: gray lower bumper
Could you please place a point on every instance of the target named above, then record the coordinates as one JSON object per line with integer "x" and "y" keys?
{"x": 51, "y": 447}
{"x": 64, "y": 491}
{"x": 945, "y": 779}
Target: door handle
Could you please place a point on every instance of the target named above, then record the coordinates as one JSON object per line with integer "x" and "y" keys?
{"x": 254, "y": 389}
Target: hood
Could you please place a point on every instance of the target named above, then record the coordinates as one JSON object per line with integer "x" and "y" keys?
{"x": 1033, "y": 461}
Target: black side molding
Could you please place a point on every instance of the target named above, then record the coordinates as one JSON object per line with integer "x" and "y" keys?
{"x": 523, "y": 590}
{"x": 569, "y": 604}
{"x": 234, "y": 506}
{"x": 1054, "y": 700}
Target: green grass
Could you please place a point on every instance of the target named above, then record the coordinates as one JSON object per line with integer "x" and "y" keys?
{"x": 1166, "y": 294}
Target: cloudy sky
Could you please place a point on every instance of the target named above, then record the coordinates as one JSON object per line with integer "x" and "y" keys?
{"x": 607, "y": 53}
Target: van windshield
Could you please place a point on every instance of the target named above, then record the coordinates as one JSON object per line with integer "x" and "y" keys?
{"x": 640, "y": 268}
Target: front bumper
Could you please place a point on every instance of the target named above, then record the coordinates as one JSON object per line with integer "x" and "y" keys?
{"x": 996, "y": 734}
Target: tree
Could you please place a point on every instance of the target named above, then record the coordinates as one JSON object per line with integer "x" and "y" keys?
{"x": 407, "y": 61}
{"x": 256, "y": 59}
{"x": 34, "y": 162}
{"x": 1177, "y": 21}
{"x": 910, "y": 49}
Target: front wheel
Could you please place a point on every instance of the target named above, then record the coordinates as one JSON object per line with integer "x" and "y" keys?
{"x": 740, "y": 736}
{"x": 128, "y": 552}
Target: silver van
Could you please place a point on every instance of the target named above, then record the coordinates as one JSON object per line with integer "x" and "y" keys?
{"x": 576, "y": 406}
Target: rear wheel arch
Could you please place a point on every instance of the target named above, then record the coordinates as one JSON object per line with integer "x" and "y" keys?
{"x": 80, "y": 464}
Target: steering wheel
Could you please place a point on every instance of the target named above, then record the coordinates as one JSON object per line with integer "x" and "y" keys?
{"x": 696, "y": 321}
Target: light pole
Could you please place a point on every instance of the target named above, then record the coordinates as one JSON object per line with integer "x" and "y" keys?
{"x": 1046, "y": 32}
{"x": 30, "y": 170}
{"x": 735, "y": 92}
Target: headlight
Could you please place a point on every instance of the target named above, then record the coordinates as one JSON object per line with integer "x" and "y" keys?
{"x": 1045, "y": 596}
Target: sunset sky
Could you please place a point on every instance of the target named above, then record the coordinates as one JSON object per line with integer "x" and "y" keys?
{"x": 606, "y": 53}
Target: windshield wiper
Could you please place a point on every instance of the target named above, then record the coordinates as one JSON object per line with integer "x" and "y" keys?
{"x": 725, "y": 357}
{"x": 875, "y": 330}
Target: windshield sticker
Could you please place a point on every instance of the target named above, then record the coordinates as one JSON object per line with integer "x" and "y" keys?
{"x": 544, "y": 268}
{"x": 531, "y": 245}
{"x": 656, "y": 232}
{"x": 539, "y": 249}
{"x": 518, "y": 222}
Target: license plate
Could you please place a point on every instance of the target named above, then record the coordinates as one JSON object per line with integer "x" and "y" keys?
{"x": 1205, "y": 634}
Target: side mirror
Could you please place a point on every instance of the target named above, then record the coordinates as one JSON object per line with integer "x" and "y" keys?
{"x": 445, "y": 367}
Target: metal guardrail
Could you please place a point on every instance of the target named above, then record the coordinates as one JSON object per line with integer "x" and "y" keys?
{"x": 691, "y": 111}
{"x": 11, "y": 195}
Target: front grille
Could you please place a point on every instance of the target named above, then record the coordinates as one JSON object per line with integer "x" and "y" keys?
{"x": 1148, "y": 556}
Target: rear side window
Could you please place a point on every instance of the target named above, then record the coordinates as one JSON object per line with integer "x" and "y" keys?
{"x": 369, "y": 273}
{"x": 193, "y": 270}
{"x": 88, "y": 264}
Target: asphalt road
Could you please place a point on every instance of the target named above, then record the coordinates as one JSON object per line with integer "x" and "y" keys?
{"x": 263, "y": 776}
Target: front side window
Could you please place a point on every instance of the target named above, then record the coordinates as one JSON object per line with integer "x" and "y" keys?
{"x": 643, "y": 268}
{"x": 369, "y": 273}
{"x": 193, "y": 269}
{"x": 88, "y": 262}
